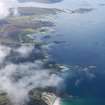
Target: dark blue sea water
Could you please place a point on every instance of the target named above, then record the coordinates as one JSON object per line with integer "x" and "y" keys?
{"x": 80, "y": 41}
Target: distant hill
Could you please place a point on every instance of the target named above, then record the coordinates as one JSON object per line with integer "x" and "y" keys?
{"x": 43, "y": 1}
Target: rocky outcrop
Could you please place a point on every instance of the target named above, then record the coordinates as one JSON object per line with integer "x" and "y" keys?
{"x": 41, "y": 96}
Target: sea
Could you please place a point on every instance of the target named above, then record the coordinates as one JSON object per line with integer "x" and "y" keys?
{"x": 80, "y": 42}
{"x": 80, "y": 33}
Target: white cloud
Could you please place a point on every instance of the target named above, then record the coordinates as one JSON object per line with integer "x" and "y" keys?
{"x": 18, "y": 79}
{"x": 5, "y": 5}
{"x": 31, "y": 76}
{"x": 3, "y": 10}
{"x": 4, "y": 51}
{"x": 25, "y": 50}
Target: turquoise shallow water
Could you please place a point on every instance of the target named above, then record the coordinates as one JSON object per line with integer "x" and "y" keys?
{"x": 83, "y": 101}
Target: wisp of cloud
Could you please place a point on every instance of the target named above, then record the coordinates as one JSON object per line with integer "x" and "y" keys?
{"x": 17, "y": 79}
{"x": 5, "y": 5}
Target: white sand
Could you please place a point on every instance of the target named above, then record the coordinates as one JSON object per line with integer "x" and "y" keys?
{"x": 57, "y": 101}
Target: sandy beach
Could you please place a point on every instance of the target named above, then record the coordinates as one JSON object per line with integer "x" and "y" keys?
{"x": 57, "y": 101}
